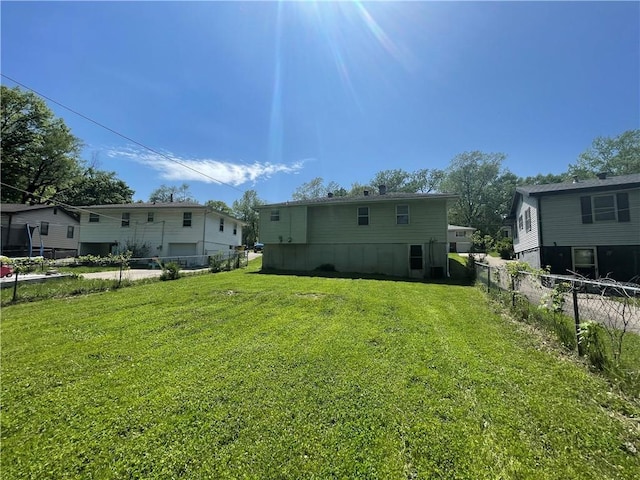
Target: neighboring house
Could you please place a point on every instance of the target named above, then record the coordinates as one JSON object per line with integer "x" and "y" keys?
{"x": 38, "y": 230}
{"x": 158, "y": 229}
{"x": 591, "y": 227}
{"x": 396, "y": 234}
{"x": 459, "y": 238}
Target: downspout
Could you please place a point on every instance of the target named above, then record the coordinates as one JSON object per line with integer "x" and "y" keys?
{"x": 204, "y": 231}
{"x": 30, "y": 240}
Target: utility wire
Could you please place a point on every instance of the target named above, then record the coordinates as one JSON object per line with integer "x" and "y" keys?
{"x": 120, "y": 134}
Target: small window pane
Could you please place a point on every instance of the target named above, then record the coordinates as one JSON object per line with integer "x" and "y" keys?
{"x": 150, "y": 217}
{"x": 70, "y": 231}
{"x": 186, "y": 219}
{"x": 94, "y": 218}
{"x": 584, "y": 257}
{"x": 222, "y": 224}
{"x": 275, "y": 215}
{"x": 363, "y": 215}
{"x": 44, "y": 228}
{"x": 402, "y": 214}
{"x": 125, "y": 219}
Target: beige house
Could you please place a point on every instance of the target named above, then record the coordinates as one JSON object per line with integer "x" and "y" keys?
{"x": 35, "y": 230}
{"x": 459, "y": 238}
{"x": 170, "y": 230}
{"x": 394, "y": 234}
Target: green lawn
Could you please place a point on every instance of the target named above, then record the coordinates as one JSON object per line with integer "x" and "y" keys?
{"x": 248, "y": 375}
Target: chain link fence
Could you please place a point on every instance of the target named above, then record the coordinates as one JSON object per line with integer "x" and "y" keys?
{"x": 606, "y": 305}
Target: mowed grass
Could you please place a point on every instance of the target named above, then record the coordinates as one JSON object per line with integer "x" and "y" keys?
{"x": 248, "y": 375}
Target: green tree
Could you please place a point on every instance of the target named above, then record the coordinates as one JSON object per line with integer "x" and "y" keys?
{"x": 484, "y": 188}
{"x": 218, "y": 206}
{"x": 312, "y": 189}
{"x": 96, "y": 187}
{"x": 399, "y": 180}
{"x": 38, "y": 154}
{"x": 618, "y": 156}
{"x": 245, "y": 210}
{"x": 167, "y": 194}
{"x": 541, "y": 179}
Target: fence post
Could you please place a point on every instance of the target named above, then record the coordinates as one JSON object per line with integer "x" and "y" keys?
{"x": 576, "y": 316}
{"x": 15, "y": 286}
{"x": 513, "y": 291}
{"x": 488, "y": 278}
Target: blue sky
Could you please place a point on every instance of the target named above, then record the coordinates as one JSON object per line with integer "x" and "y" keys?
{"x": 267, "y": 96}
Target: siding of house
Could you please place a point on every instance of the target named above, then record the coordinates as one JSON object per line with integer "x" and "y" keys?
{"x": 217, "y": 241}
{"x": 290, "y": 228}
{"x": 527, "y": 241}
{"x": 563, "y": 223}
{"x": 57, "y": 235}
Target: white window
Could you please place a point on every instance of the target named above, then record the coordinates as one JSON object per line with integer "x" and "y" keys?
{"x": 604, "y": 208}
{"x": 520, "y": 223}
{"x": 402, "y": 214}
{"x": 363, "y": 215}
{"x": 275, "y": 215}
{"x": 527, "y": 219}
{"x": 94, "y": 218}
{"x": 150, "y": 217}
{"x": 585, "y": 262}
{"x": 70, "y": 231}
{"x": 222, "y": 224}
{"x": 461, "y": 234}
{"x": 44, "y": 228}
{"x": 186, "y": 219}
{"x": 125, "y": 219}
{"x": 235, "y": 228}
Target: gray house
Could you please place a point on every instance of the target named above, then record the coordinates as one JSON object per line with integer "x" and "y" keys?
{"x": 39, "y": 229}
{"x": 396, "y": 234}
{"x": 591, "y": 227}
{"x": 186, "y": 230}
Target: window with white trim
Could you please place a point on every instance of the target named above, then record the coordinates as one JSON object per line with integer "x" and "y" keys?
{"x": 94, "y": 218}
{"x": 222, "y": 224}
{"x": 604, "y": 208}
{"x": 275, "y": 215}
{"x": 70, "y": 231}
{"x": 461, "y": 234}
{"x": 186, "y": 219}
{"x": 402, "y": 214}
{"x": 527, "y": 219}
{"x": 235, "y": 228}
{"x": 520, "y": 223}
{"x": 150, "y": 217}
{"x": 363, "y": 215}
{"x": 126, "y": 217}
{"x": 44, "y": 228}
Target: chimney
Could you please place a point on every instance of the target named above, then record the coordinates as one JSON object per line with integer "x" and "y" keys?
{"x": 602, "y": 175}
{"x": 366, "y": 193}
{"x": 575, "y": 179}
{"x": 383, "y": 189}
{"x": 330, "y": 194}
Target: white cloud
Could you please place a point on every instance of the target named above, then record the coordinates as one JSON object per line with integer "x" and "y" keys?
{"x": 172, "y": 167}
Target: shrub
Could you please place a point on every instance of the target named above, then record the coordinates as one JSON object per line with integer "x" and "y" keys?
{"x": 216, "y": 262}
{"x": 171, "y": 271}
{"x": 593, "y": 344}
{"x": 504, "y": 247}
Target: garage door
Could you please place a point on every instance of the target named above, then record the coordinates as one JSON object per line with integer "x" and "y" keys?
{"x": 182, "y": 249}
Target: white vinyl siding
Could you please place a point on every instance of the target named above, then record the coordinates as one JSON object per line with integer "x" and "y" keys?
{"x": 528, "y": 234}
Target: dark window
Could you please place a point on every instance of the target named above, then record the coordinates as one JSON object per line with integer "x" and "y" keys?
{"x": 415, "y": 257}
{"x": 585, "y": 209}
{"x": 55, "y": 211}
{"x": 186, "y": 219}
{"x": 520, "y": 223}
{"x": 275, "y": 215}
{"x": 363, "y": 215}
{"x": 125, "y": 219}
{"x": 527, "y": 219}
{"x": 70, "y": 231}
{"x": 44, "y": 228}
{"x": 235, "y": 228}
{"x": 624, "y": 214}
{"x": 94, "y": 218}
{"x": 222, "y": 224}
{"x": 402, "y": 214}
{"x": 150, "y": 217}
{"x": 604, "y": 208}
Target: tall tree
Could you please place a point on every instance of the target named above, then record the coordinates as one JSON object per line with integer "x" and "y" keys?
{"x": 541, "y": 179}
{"x": 218, "y": 206}
{"x": 245, "y": 210}
{"x": 618, "y": 156}
{"x": 166, "y": 194}
{"x": 484, "y": 189}
{"x": 96, "y": 187}
{"x": 314, "y": 188}
{"x": 38, "y": 154}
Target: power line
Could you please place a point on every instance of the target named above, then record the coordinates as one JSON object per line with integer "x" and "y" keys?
{"x": 120, "y": 134}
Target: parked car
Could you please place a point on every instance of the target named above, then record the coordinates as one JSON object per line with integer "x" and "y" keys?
{"x": 258, "y": 247}
{"x": 6, "y": 271}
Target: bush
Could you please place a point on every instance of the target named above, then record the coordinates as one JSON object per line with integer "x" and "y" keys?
{"x": 216, "y": 262}
{"x": 592, "y": 339}
{"x": 504, "y": 247}
{"x": 171, "y": 271}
